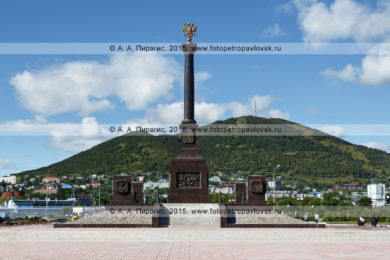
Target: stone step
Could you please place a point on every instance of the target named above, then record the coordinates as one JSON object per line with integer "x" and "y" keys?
{"x": 191, "y": 215}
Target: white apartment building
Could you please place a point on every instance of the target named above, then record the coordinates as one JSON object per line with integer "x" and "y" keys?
{"x": 8, "y": 179}
{"x": 376, "y": 192}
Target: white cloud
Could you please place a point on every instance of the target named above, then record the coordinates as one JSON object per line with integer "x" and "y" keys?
{"x": 205, "y": 113}
{"x": 276, "y": 113}
{"x": 343, "y": 19}
{"x": 202, "y": 76}
{"x": 209, "y": 112}
{"x": 312, "y": 110}
{"x": 378, "y": 146}
{"x": 374, "y": 69}
{"x": 350, "y": 20}
{"x": 165, "y": 113}
{"x": 334, "y": 130}
{"x": 262, "y": 104}
{"x": 349, "y": 73}
{"x": 78, "y": 137}
{"x": 173, "y": 113}
{"x": 65, "y": 136}
{"x": 5, "y": 164}
{"x": 85, "y": 86}
{"x": 287, "y": 7}
{"x": 273, "y": 31}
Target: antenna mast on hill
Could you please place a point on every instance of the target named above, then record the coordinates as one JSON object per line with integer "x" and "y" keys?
{"x": 255, "y": 108}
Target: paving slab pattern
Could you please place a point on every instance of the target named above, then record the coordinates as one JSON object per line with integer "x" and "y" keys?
{"x": 45, "y": 242}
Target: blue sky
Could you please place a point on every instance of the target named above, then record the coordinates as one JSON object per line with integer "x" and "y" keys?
{"x": 64, "y": 93}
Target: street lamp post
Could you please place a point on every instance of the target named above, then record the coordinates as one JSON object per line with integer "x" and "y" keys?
{"x": 47, "y": 201}
{"x": 274, "y": 184}
{"x": 73, "y": 200}
{"x": 99, "y": 196}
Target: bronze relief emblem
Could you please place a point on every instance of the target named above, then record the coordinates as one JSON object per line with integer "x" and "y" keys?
{"x": 257, "y": 187}
{"x": 188, "y": 180}
{"x": 122, "y": 186}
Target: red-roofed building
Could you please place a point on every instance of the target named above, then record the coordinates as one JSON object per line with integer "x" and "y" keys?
{"x": 93, "y": 184}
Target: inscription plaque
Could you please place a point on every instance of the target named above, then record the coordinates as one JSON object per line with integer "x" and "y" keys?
{"x": 188, "y": 180}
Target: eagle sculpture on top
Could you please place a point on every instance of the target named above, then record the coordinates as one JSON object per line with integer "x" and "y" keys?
{"x": 189, "y": 30}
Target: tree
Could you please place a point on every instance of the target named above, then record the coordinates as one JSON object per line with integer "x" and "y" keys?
{"x": 364, "y": 201}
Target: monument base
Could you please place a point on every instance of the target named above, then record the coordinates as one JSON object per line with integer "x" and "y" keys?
{"x": 188, "y": 178}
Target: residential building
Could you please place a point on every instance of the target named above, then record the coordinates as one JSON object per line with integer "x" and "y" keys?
{"x": 276, "y": 183}
{"x": 160, "y": 184}
{"x": 215, "y": 179}
{"x": 93, "y": 185}
{"x": 8, "y": 179}
{"x": 47, "y": 180}
{"x": 225, "y": 189}
{"x": 377, "y": 193}
{"x": 349, "y": 187}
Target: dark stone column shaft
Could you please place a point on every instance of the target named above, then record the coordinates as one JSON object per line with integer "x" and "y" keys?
{"x": 189, "y": 96}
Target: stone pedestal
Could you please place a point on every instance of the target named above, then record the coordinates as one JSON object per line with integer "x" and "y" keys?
{"x": 137, "y": 193}
{"x": 257, "y": 187}
{"x": 125, "y": 192}
{"x": 188, "y": 178}
{"x": 240, "y": 193}
{"x": 121, "y": 188}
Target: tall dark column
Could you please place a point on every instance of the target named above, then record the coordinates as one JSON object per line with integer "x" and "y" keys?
{"x": 189, "y": 182}
{"x": 189, "y": 96}
{"x": 189, "y": 123}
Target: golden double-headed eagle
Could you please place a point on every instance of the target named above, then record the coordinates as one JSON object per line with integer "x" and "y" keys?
{"x": 189, "y": 30}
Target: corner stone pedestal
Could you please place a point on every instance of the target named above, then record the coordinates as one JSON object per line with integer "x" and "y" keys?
{"x": 257, "y": 188}
{"x": 126, "y": 192}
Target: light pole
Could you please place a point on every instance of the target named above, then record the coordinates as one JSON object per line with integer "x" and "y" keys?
{"x": 73, "y": 200}
{"x": 274, "y": 184}
{"x": 47, "y": 201}
{"x": 99, "y": 196}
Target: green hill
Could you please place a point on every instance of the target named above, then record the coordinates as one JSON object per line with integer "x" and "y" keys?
{"x": 309, "y": 159}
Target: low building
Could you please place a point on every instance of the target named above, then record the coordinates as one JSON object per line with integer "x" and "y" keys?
{"x": 228, "y": 188}
{"x": 161, "y": 184}
{"x": 93, "y": 185}
{"x": 349, "y": 187}
{"x": 42, "y": 203}
{"x": 8, "y": 179}
{"x": 215, "y": 179}
{"x": 225, "y": 189}
{"x": 317, "y": 194}
{"x": 276, "y": 183}
{"x": 47, "y": 180}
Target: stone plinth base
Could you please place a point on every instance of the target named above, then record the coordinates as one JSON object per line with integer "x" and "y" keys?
{"x": 189, "y": 181}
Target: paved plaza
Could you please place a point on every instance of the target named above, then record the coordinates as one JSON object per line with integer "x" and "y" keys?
{"x": 45, "y": 242}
